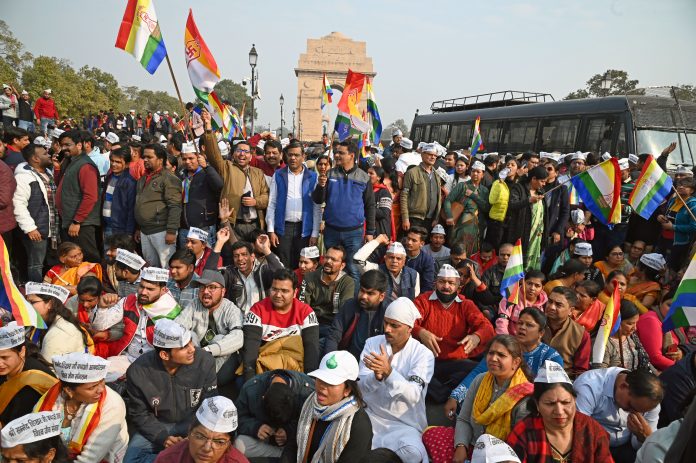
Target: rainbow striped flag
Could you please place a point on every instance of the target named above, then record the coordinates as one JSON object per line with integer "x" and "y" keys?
{"x": 374, "y": 120}
{"x": 611, "y": 320}
{"x": 140, "y": 34}
{"x": 652, "y": 187}
{"x": 326, "y": 92}
{"x": 514, "y": 273}
{"x": 476, "y": 141}
{"x": 682, "y": 311}
{"x": 599, "y": 187}
{"x": 202, "y": 68}
{"x": 10, "y": 297}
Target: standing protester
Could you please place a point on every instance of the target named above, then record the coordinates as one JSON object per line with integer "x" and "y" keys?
{"x": 25, "y": 113}
{"x": 45, "y": 111}
{"x": 15, "y": 140}
{"x": 118, "y": 209}
{"x": 8, "y": 106}
{"x": 420, "y": 196}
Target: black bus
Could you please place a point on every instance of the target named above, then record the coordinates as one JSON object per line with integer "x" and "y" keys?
{"x": 617, "y": 124}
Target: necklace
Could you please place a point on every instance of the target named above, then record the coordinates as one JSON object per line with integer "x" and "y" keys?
{"x": 558, "y": 456}
{"x": 68, "y": 414}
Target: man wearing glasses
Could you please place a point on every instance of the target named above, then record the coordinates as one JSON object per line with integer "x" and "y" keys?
{"x": 244, "y": 186}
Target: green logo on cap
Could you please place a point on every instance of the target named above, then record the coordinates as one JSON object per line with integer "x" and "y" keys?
{"x": 331, "y": 362}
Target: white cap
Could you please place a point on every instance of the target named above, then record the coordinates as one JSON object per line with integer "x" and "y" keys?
{"x": 131, "y": 110}
{"x": 32, "y": 427}
{"x": 79, "y": 367}
{"x": 396, "y": 248}
{"x": 112, "y": 138}
{"x": 170, "y": 335}
{"x": 654, "y": 260}
{"x": 224, "y": 148}
{"x": 578, "y": 156}
{"x": 583, "y": 249}
{"x": 11, "y": 335}
{"x": 503, "y": 174}
{"x": 336, "y": 368}
{"x": 683, "y": 170}
{"x": 310, "y": 252}
{"x": 56, "y": 133}
{"x": 633, "y": 158}
{"x": 136, "y": 138}
{"x": 442, "y": 173}
{"x": 102, "y": 134}
{"x": 197, "y": 234}
{"x": 105, "y": 318}
{"x": 555, "y": 156}
{"x": 623, "y": 164}
{"x": 41, "y": 141}
{"x": 606, "y": 157}
{"x": 552, "y": 372}
{"x": 490, "y": 449}
{"x": 24, "y": 92}
{"x": 156, "y": 274}
{"x": 162, "y": 139}
{"x": 478, "y": 165}
{"x": 403, "y": 310}
{"x": 406, "y": 143}
{"x": 261, "y": 144}
{"x": 439, "y": 229}
{"x": 4, "y": 86}
{"x": 188, "y": 147}
{"x": 217, "y": 414}
{"x": 48, "y": 90}
{"x": 59, "y": 292}
{"x": 284, "y": 142}
{"x": 447, "y": 271}
{"x": 166, "y": 112}
{"x": 130, "y": 259}
{"x": 577, "y": 216}
{"x": 397, "y": 133}
{"x": 429, "y": 148}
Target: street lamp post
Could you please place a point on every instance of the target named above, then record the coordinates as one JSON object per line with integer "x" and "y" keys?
{"x": 606, "y": 83}
{"x": 293, "y": 122}
{"x": 253, "y": 58}
{"x": 282, "y": 101}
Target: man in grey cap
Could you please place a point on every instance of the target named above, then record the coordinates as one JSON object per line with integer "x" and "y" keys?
{"x": 216, "y": 323}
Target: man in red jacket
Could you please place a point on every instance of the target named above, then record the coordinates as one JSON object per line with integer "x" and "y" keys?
{"x": 45, "y": 110}
{"x": 454, "y": 329}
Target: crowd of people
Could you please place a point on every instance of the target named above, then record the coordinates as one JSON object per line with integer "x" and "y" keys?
{"x": 216, "y": 300}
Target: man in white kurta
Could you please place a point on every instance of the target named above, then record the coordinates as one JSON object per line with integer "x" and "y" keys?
{"x": 395, "y": 370}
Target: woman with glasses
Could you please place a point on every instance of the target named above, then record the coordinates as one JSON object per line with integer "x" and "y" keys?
{"x": 210, "y": 438}
{"x": 614, "y": 260}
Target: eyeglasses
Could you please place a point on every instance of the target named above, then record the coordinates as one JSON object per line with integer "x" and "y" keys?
{"x": 242, "y": 151}
{"x": 215, "y": 443}
{"x": 210, "y": 288}
{"x": 616, "y": 254}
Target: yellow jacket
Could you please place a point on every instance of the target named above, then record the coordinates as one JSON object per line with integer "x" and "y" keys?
{"x": 500, "y": 194}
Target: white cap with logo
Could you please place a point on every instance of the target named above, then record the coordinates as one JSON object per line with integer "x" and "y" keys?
{"x": 59, "y": 292}
{"x": 336, "y": 368}
{"x": 32, "y": 427}
{"x": 130, "y": 259}
{"x": 11, "y": 335}
{"x": 170, "y": 335}
{"x": 80, "y": 367}
{"x": 218, "y": 414}
{"x": 310, "y": 252}
{"x": 197, "y": 234}
{"x": 551, "y": 372}
{"x": 490, "y": 449}
{"x": 156, "y": 274}
{"x": 396, "y": 248}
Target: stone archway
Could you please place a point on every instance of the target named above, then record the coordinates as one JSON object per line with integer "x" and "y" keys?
{"x": 333, "y": 54}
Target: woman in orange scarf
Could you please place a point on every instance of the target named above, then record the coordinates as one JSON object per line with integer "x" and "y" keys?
{"x": 588, "y": 310}
{"x": 643, "y": 283}
{"x": 94, "y": 415}
{"x": 496, "y": 400}
{"x": 617, "y": 277}
{"x": 71, "y": 268}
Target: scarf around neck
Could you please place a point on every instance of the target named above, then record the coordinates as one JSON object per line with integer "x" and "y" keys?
{"x": 496, "y": 417}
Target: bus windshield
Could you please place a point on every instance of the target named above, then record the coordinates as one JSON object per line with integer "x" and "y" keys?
{"x": 654, "y": 141}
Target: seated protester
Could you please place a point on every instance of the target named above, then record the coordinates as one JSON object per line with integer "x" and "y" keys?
{"x": 496, "y": 402}
{"x": 197, "y": 243}
{"x": 402, "y": 281}
{"x": 71, "y": 267}
{"x": 583, "y": 252}
{"x": 679, "y": 381}
{"x": 570, "y": 274}
{"x": 493, "y": 277}
{"x": 269, "y": 406}
{"x": 181, "y": 283}
{"x": 112, "y": 244}
{"x": 532, "y": 296}
{"x": 488, "y": 449}
{"x": 454, "y": 329}
{"x": 65, "y": 333}
{"x": 94, "y": 415}
{"x": 118, "y": 198}
{"x": 614, "y": 260}
{"x": 623, "y": 348}
{"x": 90, "y": 294}
{"x": 569, "y": 251}
{"x": 333, "y": 425}
{"x": 360, "y": 318}
{"x": 248, "y": 280}
{"x": 280, "y": 331}
{"x": 436, "y": 248}
{"x": 625, "y": 403}
{"x": 531, "y": 327}
{"x": 619, "y": 278}
{"x": 24, "y": 375}
{"x": 34, "y": 437}
{"x": 419, "y": 261}
{"x": 216, "y": 324}
{"x": 328, "y": 289}
{"x": 215, "y": 423}
{"x": 472, "y": 288}
{"x": 308, "y": 262}
{"x": 395, "y": 370}
{"x": 643, "y": 282}
{"x": 127, "y": 271}
{"x": 664, "y": 349}
{"x": 570, "y": 434}
{"x": 673, "y": 442}
{"x": 565, "y": 335}
{"x": 588, "y": 309}
{"x": 165, "y": 386}
{"x": 485, "y": 257}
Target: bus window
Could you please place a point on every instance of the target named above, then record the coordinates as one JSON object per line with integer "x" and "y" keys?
{"x": 426, "y": 134}
{"x": 621, "y": 146}
{"x": 600, "y": 133}
{"x": 519, "y": 136}
{"x": 417, "y": 133}
{"x": 654, "y": 141}
{"x": 490, "y": 134}
{"x": 559, "y": 134}
{"x": 439, "y": 133}
{"x": 460, "y": 136}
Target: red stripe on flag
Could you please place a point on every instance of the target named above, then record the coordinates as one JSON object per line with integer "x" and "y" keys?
{"x": 126, "y": 25}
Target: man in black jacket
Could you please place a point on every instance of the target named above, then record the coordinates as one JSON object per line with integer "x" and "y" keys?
{"x": 558, "y": 210}
{"x": 359, "y": 318}
{"x": 268, "y": 407}
{"x": 679, "y": 380}
{"x": 165, "y": 387}
{"x": 492, "y": 279}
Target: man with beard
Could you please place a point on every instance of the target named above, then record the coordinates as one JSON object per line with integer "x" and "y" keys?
{"x": 453, "y": 328}
{"x": 280, "y": 331}
{"x": 395, "y": 370}
{"x": 578, "y": 164}
{"x": 216, "y": 323}
{"x": 165, "y": 387}
{"x": 327, "y": 289}
{"x": 359, "y": 318}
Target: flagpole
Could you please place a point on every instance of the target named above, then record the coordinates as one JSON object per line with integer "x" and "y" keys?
{"x": 183, "y": 107}
{"x": 684, "y": 202}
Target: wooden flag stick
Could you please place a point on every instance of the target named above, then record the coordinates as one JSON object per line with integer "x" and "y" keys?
{"x": 684, "y": 202}
{"x": 183, "y": 107}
